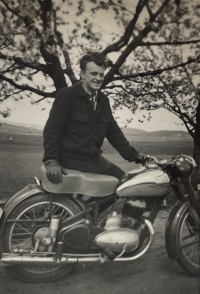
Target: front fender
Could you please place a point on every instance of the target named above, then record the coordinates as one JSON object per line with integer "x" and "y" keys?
{"x": 16, "y": 199}
{"x": 172, "y": 225}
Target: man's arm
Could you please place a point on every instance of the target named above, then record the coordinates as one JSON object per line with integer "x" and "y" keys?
{"x": 54, "y": 126}
{"x": 52, "y": 133}
{"x": 117, "y": 139}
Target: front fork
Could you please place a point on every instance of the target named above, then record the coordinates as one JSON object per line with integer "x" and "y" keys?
{"x": 192, "y": 199}
{"x": 192, "y": 196}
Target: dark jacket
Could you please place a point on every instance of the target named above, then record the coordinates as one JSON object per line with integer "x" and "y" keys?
{"x": 75, "y": 130}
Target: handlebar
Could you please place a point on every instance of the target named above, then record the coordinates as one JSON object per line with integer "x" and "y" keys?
{"x": 175, "y": 160}
{"x": 160, "y": 163}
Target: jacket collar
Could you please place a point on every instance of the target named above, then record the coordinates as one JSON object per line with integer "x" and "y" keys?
{"x": 81, "y": 93}
{"x": 80, "y": 90}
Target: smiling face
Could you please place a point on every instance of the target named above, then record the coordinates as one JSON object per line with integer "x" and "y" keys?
{"x": 93, "y": 76}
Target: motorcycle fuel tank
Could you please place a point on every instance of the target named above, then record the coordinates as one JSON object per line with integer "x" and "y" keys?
{"x": 148, "y": 183}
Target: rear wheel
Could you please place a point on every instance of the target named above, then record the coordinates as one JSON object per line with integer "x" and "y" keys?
{"x": 188, "y": 236}
{"x": 20, "y": 235}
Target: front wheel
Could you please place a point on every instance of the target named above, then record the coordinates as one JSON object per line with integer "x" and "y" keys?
{"x": 20, "y": 235}
{"x": 188, "y": 240}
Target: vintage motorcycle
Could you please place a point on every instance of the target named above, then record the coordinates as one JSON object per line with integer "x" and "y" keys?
{"x": 48, "y": 228}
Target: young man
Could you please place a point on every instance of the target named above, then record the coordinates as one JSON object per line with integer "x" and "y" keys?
{"x": 79, "y": 121}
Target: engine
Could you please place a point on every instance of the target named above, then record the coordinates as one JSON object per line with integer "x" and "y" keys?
{"x": 133, "y": 210}
{"x": 122, "y": 231}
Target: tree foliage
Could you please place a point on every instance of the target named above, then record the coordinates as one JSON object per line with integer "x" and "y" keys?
{"x": 145, "y": 44}
{"x": 152, "y": 47}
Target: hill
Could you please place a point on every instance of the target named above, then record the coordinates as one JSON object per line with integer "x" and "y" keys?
{"x": 130, "y": 133}
{"x": 156, "y": 135}
{"x": 7, "y": 128}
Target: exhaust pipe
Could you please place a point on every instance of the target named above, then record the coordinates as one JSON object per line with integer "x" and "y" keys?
{"x": 12, "y": 259}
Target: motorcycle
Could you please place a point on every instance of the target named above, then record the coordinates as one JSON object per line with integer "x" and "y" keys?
{"x": 48, "y": 228}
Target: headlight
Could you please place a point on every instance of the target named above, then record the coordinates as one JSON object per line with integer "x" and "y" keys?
{"x": 190, "y": 159}
{"x": 185, "y": 165}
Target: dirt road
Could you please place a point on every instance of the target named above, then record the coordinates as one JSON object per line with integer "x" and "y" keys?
{"x": 154, "y": 273}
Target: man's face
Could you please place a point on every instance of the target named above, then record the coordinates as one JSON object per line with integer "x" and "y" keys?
{"x": 93, "y": 76}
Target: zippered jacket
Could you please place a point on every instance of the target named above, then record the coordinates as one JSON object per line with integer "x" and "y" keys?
{"x": 75, "y": 130}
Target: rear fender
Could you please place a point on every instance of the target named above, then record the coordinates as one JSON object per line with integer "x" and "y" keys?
{"x": 16, "y": 199}
{"x": 172, "y": 225}
{"x": 28, "y": 191}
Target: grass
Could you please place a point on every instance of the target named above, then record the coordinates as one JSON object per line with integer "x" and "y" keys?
{"x": 21, "y": 158}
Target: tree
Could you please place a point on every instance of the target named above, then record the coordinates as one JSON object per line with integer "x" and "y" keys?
{"x": 149, "y": 64}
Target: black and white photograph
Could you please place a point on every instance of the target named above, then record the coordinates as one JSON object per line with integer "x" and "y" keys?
{"x": 100, "y": 146}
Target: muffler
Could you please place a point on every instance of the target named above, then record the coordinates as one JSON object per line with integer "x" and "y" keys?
{"x": 43, "y": 257}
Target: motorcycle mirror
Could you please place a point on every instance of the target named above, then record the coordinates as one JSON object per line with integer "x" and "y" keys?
{"x": 152, "y": 166}
{"x": 163, "y": 161}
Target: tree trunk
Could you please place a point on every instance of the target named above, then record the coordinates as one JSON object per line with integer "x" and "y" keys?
{"x": 54, "y": 68}
{"x": 196, "y": 155}
{"x": 196, "y": 175}
{"x": 56, "y": 73}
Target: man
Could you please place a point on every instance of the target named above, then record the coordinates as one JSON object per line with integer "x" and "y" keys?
{"x": 78, "y": 123}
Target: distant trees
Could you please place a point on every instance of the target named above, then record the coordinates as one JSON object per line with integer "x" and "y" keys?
{"x": 152, "y": 47}
{"x": 5, "y": 136}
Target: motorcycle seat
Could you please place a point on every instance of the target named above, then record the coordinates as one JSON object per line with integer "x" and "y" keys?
{"x": 94, "y": 185}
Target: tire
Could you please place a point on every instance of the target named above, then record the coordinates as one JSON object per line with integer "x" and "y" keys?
{"x": 34, "y": 208}
{"x": 187, "y": 232}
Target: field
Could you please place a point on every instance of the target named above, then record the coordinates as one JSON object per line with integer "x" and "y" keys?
{"x": 21, "y": 158}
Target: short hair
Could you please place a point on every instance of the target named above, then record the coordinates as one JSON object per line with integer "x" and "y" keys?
{"x": 98, "y": 58}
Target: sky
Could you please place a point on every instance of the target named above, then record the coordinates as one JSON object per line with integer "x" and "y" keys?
{"x": 23, "y": 112}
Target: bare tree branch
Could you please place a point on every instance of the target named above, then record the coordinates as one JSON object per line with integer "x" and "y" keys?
{"x": 183, "y": 116}
{"x": 28, "y": 88}
{"x": 30, "y": 73}
{"x": 10, "y": 9}
{"x": 128, "y": 32}
{"x": 149, "y": 10}
{"x": 120, "y": 6}
{"x": 169, "y": 43}
{"x": 43, "y": 98}
{"x": 120, "y": 86}
{"x": 68, "y": 69}
{"x": 131, "y": 92}
{"x": 134, "y": 44}
{"x": 46, "y": 8}
{"x": 27, "y": 21}
{"x": 10, "y": 95}
{"x": 154, "y": 72}
{"x": 36, "y": 66}
{"x": 186, "y": 119}
{"x": 10, "y": 68}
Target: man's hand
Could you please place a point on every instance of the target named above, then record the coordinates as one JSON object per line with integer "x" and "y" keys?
{"x": 141, "y": 158}
{"x": 54, "y": 172}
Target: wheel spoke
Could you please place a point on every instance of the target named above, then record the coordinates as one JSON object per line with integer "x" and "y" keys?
{"x": 46, "y": 210}
{"x": 186, "y": 237}
{"x": 197, "y": 258}
{"x": 22, "y": 234}
{"x": 26, "y": 241}
{"x": 190, "y": 241}
{"x": 21, "y": 227}
{"x": 33, "y": 215}
{"x": 66, "y": 214}
{"x": 26, "y": 216}
{"x": 54, "y": 212}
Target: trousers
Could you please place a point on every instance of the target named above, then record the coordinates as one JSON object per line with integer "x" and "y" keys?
{"x": 97, "y": 165}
